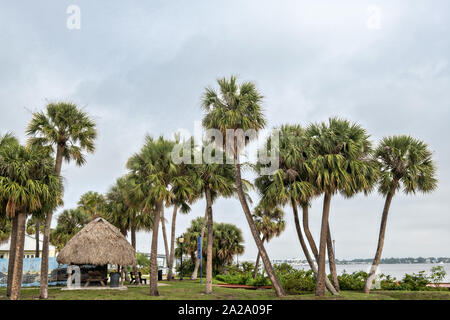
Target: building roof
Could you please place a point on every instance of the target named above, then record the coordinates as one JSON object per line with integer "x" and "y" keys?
{"x": 30, "y": 243}
{"x": 98, "y": 243}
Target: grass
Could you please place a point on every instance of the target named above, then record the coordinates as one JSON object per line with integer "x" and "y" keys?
{"x": 192, "y": 290}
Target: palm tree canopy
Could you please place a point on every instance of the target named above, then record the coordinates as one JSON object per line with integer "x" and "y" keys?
{"x": 234, "y": 106}
{"x": 69, "y": 223}
{"x": 92, "y": 203}
{"x": 153, "y": 170}
{"x": 63, "y": 124}
{"x": 27, "y": 180}
{"x": 269, "y": 221}
{"x": 121, "y": 211}
{"x": 405, "y": 162}
{"x": 292, "y": 179}
{"x": 7, "y": 139}
{"x": 340, "y": 159}
{"x": 228, "y": 241}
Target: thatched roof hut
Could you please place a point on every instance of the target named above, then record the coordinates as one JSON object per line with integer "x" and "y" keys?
{"x": 98, "y": 243}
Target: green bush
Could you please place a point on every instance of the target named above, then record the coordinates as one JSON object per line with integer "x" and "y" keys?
{"x": 415, "y": 282}
{"x": 352, "y": 281}
{"x": 295, "y": 281}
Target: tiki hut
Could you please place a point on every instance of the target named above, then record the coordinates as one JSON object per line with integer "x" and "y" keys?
{"x": 98, "y": 243}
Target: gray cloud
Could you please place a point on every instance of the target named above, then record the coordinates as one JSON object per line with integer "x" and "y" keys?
{"x": 141, "y": 68}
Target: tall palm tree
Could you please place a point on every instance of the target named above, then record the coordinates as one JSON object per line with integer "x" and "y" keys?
{"x": 153, "y": 170}
{"x": 68, "y": 132}
{"x": 291, "y": 184}
{"x": 405, "y": 163}
{"x": 270, "y": 223}
{"x": 27, "y": 183}
{"x": 10, "y": 229}
{"x": 238, "y": 107}
{"x": 340, "y": 162}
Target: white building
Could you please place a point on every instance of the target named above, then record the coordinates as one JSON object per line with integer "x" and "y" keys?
{"x": 29, "y": 248}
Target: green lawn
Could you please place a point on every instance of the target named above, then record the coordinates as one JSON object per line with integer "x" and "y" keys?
{"x": 192, "y": 290}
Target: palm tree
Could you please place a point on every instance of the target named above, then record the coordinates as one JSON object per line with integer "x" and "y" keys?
{"x": 27, "y": 183}
{"x": 405, "y": 163}
{"x": 270, "y": 223}
{"x": 67, "y": 132}
{"x": 10, "y": 228}
{"x": 34, "y": 227}
{"x": 93, "y": 204}
{"x": 228, "y": 243}
{"x": 153, "y": 170}
{"x": 238, "y": 107}
{"x": 68, "y": 224}
{"x": 340, "y": 162}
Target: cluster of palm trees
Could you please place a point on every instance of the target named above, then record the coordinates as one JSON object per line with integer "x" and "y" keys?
{"x": 320, "y": 160}
{"x": 334, "y": 157}
{"x": 31, "y": 182}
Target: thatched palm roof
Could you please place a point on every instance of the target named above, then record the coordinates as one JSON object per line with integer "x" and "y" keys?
{"x": 98, "y": 243}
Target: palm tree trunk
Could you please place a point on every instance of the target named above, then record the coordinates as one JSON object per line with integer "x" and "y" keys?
{"x": 166, "y": 244}
{"x": 172, "y": 243}
{"x": 48, "y": 221}
{"x": 210, "y": 242}
{"x": 133, "y": 243}
{"x": 18, "y": 257}
{"x": 124, "y": 273}
{"x": 202, "y": 234}
{"x": 331, "y": 260}
{"x": 38, "y": 226}
{"x": 12, "y": 255}
{"x": 311, "y": 263}
{"x": 255, "y": 272}
{"x": 44, "y": 260}
{"x": 321, "y": 276}
{"x": 376, "y": 260}
{"x": 248, "y": 215}
{"x": 154, "y": 252}
{"x": 308, "y": 234}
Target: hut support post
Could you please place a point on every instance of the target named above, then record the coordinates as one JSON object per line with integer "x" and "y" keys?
{"x": 69, "y": 277}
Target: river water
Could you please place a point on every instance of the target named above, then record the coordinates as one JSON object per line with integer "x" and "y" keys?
{"x": 394, "y": 270}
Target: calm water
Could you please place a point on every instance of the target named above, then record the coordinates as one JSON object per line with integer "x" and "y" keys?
{"x": 394, "y": 270}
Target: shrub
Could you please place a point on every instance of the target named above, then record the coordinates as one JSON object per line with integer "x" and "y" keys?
{"x": 353, "y": 281}
{"x": 295, "y": 281}
{"x": 415, "y": 281}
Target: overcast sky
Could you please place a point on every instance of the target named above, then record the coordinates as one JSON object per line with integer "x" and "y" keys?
{"x": 140, "y": 67}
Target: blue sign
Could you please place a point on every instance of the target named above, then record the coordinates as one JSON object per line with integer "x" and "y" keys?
{"x": 199, "y": 247}
{"x": 199, "y": 256}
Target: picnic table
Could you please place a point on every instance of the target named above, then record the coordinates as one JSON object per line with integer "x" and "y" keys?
{"x": 95, "y": 276}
